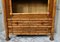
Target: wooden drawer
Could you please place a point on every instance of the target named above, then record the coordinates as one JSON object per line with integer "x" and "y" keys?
{"x": 29, "y": 23}
{"x": 29, "y": 27}
{"x": 30, "y": 30}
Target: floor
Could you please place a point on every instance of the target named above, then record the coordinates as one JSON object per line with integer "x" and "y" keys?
{"x": 28, "y": 38}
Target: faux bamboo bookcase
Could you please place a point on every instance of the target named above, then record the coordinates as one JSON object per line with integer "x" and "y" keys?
{"x": 29, "y": 17}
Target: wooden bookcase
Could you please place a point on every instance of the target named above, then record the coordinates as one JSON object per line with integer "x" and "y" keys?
{"x": 29, "y": 17}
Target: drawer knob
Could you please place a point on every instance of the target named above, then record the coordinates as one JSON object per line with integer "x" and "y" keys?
{"x": 42, "y": 23}
{"x": 17, "y": 23}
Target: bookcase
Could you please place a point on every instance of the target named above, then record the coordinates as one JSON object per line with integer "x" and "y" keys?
{"x": 29, "y": 17}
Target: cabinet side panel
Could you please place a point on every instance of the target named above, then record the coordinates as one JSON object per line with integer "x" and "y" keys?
{"x": 53, "y": 14}
{"x": 5, "y": 13}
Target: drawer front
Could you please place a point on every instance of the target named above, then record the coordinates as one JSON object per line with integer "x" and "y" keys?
{"x": 29, "y": 23}
{"x": 29, "y": 30}
{"x": 29, "y": 27}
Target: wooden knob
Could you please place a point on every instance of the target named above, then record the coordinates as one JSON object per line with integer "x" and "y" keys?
{"x": 42, "y": 23}
{"x": 17, "y": 23}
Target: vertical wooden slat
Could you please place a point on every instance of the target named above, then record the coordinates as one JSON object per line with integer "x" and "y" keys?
{"x": 48, "y": 5}
{"x": 7, "y": 8}
{"x": 50, "y": 8}
{"x": 54, "y": 8}
{"x": 10, "y": 6}
{"x": 53, "y": 15}
{"x": 53, "y": 12}
{"x": 6, "y": 15}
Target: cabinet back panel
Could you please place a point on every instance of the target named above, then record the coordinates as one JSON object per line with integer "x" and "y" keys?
{"x": 30, "y": 6}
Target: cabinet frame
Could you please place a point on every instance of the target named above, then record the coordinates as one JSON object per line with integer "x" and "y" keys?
{"x": 6, "y": 9}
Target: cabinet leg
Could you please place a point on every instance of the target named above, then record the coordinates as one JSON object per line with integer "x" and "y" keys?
{"x": 7, "y": 38}
{"x": 51, "y": 37}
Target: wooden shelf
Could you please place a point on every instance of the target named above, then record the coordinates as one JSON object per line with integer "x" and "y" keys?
{"x": 29, "y": 13}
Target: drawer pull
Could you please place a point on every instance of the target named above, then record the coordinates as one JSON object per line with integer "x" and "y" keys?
{"x": 16, "y": 23}
{"x": 42, "y": 23}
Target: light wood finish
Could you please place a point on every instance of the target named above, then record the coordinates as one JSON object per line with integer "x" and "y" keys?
{"x": 26, "y": 18}
{"x": 53, "y": 20}
{"x": 10, "y": 6}
{"x": 6, "y": 15}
